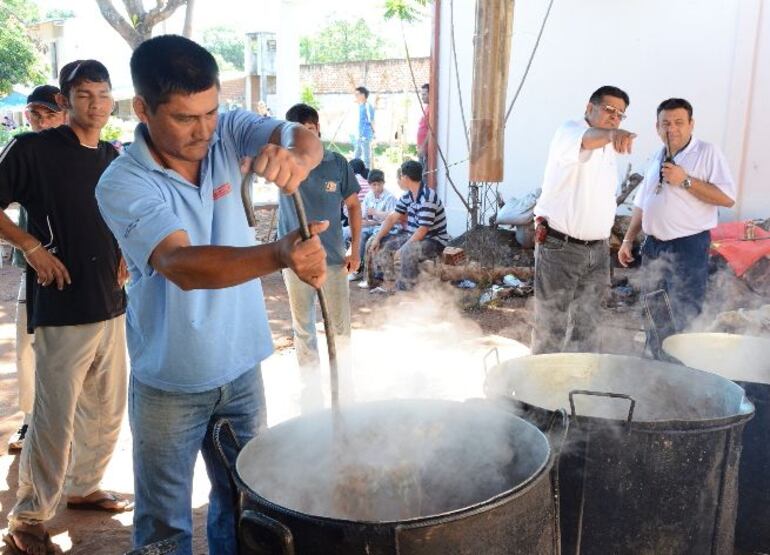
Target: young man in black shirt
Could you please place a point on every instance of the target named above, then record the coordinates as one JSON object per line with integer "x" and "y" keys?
{"x": 75, "y": 305}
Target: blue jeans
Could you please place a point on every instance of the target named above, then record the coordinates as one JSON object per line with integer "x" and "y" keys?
{"x": 364, "y": 151}
{"x": 366, "y": 234}
{"x": 169, "y": 429}
{"x": 680, "y": 267}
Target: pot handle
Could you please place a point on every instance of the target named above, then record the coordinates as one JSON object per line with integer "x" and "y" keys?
{"x": 494, "y": 351}
{"x": 557, "y": 436}
{"x": 557, "y": 429}
{"x": 628, "y": 398}
{"x": 223, "y": 424}
{"x": 260, "y": 534}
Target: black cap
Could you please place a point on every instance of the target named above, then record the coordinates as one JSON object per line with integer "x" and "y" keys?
{"x": 44, "y": 95}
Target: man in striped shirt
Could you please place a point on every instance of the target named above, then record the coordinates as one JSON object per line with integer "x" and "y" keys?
{"x": 423, "y": 212}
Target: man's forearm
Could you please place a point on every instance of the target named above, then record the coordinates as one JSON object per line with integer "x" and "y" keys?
{"x": 301, "y": 140}
{"x": 387, "y": 225}
{"x": 635, "y": 226}
{"x": 709, "y": 193}
{"x": 419, "y": 235}
{"x": 596, "y": 137}
{"x": 354, "y": 217}
{"x": 215, "y": 267}
{"x": 16, "y": 236}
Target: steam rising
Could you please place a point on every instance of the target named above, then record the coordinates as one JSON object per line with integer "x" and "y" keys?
{"x": 402, "y": 451}
{"x": 393, "y": 460}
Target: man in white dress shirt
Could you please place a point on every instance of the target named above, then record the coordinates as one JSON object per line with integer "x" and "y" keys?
{"x": 676, "y": 207}
{"x": 574, "y": 217}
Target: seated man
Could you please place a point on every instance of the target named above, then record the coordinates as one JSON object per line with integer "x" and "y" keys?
{"x": 425, "y": 237}
{"x": 376, "y": 206}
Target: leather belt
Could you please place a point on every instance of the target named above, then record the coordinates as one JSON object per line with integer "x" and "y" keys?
{"x": 568, "y": 239}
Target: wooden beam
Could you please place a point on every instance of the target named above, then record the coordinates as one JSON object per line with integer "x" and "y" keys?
{"x": 491, "y": 60}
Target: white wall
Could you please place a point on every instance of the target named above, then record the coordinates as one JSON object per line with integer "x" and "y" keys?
{"x": 754, "y": 170}
{"x": 715, "y": 53}
{"x": 90, "y": 36}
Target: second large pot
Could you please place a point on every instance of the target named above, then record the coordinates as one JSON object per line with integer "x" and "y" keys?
{"x": 746, "y": 361}
{"x": 650, "y": 466}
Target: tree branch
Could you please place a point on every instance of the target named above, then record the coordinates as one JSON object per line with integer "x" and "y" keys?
{"x": 118, "y": 22}
{"x": 188, "y": 17}
{"x": 158, "y": 13}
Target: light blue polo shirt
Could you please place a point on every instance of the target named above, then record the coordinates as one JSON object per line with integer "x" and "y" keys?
{"x": 187, "y": 341}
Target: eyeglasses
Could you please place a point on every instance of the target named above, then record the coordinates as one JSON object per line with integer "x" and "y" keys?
{"x": 611, "y": 110}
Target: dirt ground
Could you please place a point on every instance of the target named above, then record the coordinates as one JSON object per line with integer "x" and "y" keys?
{"x": 505, "y": 325}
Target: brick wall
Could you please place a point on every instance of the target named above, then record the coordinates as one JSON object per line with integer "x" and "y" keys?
{"x": 379, "y": 76}
{"x": 233, "y": 91}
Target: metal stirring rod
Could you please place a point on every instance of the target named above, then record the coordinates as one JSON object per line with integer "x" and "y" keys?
{"x": 304, "y": 232}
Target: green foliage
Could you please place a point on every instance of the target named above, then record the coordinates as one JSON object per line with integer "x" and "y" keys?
{"x": 59, "y": 13}
{"x": 307, "y": 97}
{"x": 5, "y": 134}
{"x": 405, "y": 10}
{"x": 227, "y": 43}
{"x": 342, "y": 41}
{"x": 19, "y": 63}
{"x": 112, "y": 131}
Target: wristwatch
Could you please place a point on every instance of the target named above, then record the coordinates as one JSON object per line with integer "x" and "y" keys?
{"x": 687, "y": 183}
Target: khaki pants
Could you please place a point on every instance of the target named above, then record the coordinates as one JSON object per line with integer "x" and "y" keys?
{"x": 25, "y": 356}
{"x": 80, "y": 397}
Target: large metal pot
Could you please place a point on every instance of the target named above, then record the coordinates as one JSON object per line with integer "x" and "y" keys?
{"x": 746, "y": 361}
{"x": 650, "y": 463}
{"x": 405, "y": 476}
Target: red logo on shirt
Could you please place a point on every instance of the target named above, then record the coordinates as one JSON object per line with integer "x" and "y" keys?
{"x": 222, "y": 191}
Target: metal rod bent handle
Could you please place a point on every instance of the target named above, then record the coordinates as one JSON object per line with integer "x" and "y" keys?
{"x": 628, "y": 398}
{"x": 248, "y": 206}
{"x": 304, "y": 232}
{"x": 492, "y": 351}
{"x": 216, "y": 437}
{"x": 331, "y": 346}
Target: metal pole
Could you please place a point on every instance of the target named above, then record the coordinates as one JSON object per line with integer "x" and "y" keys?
{"x": 304, "y": 232}
{"x": 331, "y": 346}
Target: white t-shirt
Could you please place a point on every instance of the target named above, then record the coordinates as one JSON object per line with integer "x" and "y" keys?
{"x": 675, "y": 212}
{"x": 579, "y": 185}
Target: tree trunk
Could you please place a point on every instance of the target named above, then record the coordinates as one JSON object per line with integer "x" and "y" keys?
{"x": 188, "y": 17}
{"x": 140, "y": 23}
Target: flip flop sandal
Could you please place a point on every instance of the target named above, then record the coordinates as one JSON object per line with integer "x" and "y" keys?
{"x": 31, "y": 539}
{"x": 103, "y": 504}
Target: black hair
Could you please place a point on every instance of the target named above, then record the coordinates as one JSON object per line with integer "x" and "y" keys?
{"x": 358, "y": 167}
{"x": 74, "y": 73}
{"x": 609, "y": 90}
{"x": 412, "y": 169}
{"x": 364, "y": 91}
{"x": 673, "y": 104}
{"x": 376, "y": 175}
{"x": 426, "y": 86}
{"x": 302, "y": 113}
{"x": 171, "y": 64}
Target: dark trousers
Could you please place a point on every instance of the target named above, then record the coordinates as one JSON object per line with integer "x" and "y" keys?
{"x": 680, "y": 267}
{"x": 571, "y": 280}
